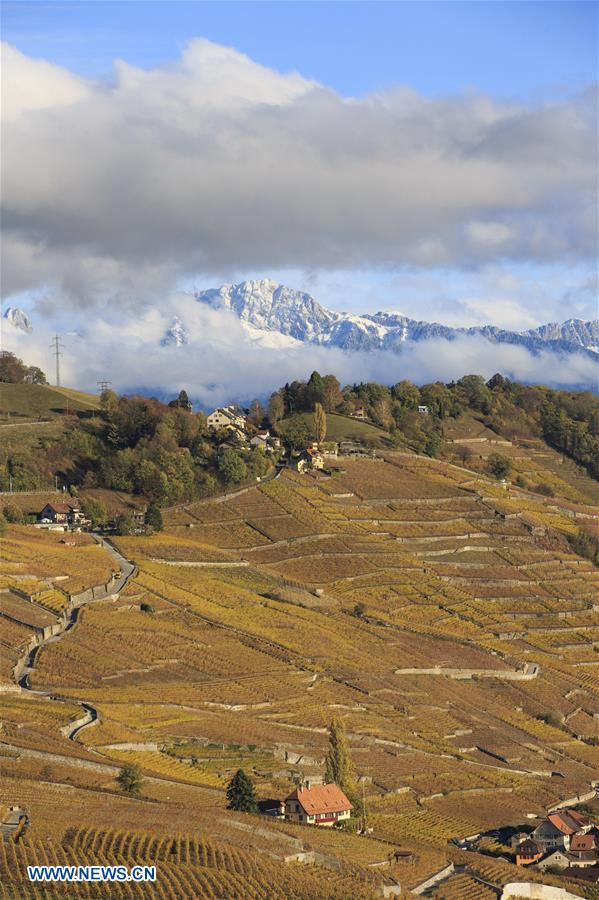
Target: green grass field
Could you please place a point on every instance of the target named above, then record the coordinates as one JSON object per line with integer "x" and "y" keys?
{"x": 342, "y": 428}
{"x": 35, "y": 400}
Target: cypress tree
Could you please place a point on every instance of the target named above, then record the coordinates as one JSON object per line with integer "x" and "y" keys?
{"x": 320, "y": 423}
{"x": 338, "y": 765}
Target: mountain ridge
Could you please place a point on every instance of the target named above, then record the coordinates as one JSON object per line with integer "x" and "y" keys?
{"x": 269, "y": 306}
{"x": 274, "y": 314}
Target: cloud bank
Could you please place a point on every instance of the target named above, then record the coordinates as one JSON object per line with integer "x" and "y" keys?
{"x": 221, "y": 363}
{"x": 117, "y": 190}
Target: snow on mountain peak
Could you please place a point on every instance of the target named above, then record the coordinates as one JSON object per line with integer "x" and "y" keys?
{"x": 270, "y": 306}
{"x": 18, "y": 319}
{"x": 176, "y": 335}
{"x": 267, "y": 306}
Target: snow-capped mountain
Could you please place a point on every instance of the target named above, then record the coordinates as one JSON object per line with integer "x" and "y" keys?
{"x": 273, "y": 307}
{"x": 266, "y": 306}
{"x": 176, "y": 335}
{"x": 17, "y": 318}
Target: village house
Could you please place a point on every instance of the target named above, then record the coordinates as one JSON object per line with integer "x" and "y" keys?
{"x": 557, "y": 829}
{"x": 319, "y": 804}
{"x": 61, "y": 512}
{"x": 558, "y": 859}
{"x": 423, "y": 410}
{"x": 227, "y": 417}
{"x": 528, "y": 852}
{"x": 310, "y": 459}
{"x": 584, "y": 849}
{"x": 263, "y": 438}
{"x": 359, "y": 412}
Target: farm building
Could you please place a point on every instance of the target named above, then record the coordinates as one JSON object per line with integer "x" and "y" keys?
{"x": 320, "y": 804}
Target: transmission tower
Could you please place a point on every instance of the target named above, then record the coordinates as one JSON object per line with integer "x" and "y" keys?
{"x": 57, "y": 347}
{"x": 103, "y": 385}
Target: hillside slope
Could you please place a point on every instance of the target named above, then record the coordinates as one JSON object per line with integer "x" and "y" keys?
{"x": 34, "y": 400}
{"x": 441, "y": 615}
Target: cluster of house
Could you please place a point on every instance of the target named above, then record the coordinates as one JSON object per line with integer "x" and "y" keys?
{"x": 66, "y": 515}
{"x": 314, "y": 804}
{"x": 233, "y": 420}
{"x": 564, "y": 839}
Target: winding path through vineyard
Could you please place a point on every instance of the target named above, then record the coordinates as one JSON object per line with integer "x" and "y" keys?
{"x": 127, "y": 569}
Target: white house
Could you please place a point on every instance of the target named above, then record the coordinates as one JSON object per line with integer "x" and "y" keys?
{"x": 320, "y": 804}
{"x": 226, "y": 417}
{"x": 266, "y": 440}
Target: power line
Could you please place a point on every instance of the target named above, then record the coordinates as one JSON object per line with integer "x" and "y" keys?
{"x": 103, "y": 385}
{"x": 57, "y": 347}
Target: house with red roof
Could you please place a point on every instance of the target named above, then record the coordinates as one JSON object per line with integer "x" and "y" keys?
{"x": 559, "y": 827}
{"x": 584, "y": 849}
{"x": 318, "y": 804}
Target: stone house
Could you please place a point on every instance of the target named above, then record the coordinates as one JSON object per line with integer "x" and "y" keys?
{"x": 557, "y": 859}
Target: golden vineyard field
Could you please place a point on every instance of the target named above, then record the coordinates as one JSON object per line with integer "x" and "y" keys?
{"x": 468, "y": 682}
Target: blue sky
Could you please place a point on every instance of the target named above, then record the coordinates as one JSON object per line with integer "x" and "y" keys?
{"x": 434, "y": 157}
{"x": 514, "y": 49}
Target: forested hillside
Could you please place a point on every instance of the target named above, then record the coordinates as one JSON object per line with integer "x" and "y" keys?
{"x": 166, "y": 452}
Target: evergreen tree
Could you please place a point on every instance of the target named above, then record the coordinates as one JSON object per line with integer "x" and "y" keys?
{"x": 241, "y": 794}
{"x": 499, "y": 465}
{"x": 129, "y": 778}
{"x": 154, "y": 517}
{"x": 315, "y": 388}
{"x": 182, "y": 402}
{"x": 338, "y": 767}
{"x": 320, "y": 423}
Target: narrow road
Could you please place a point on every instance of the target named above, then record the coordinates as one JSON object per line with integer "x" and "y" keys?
{"x": 127, "y": 569}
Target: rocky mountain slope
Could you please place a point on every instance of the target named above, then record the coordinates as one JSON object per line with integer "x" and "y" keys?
{"x": 266, "y": 305}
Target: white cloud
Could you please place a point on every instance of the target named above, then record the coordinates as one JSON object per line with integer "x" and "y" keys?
{"x": 221, "y": 363}
{"x": 214, "y": 163}
{"x": 34, "y": 84}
